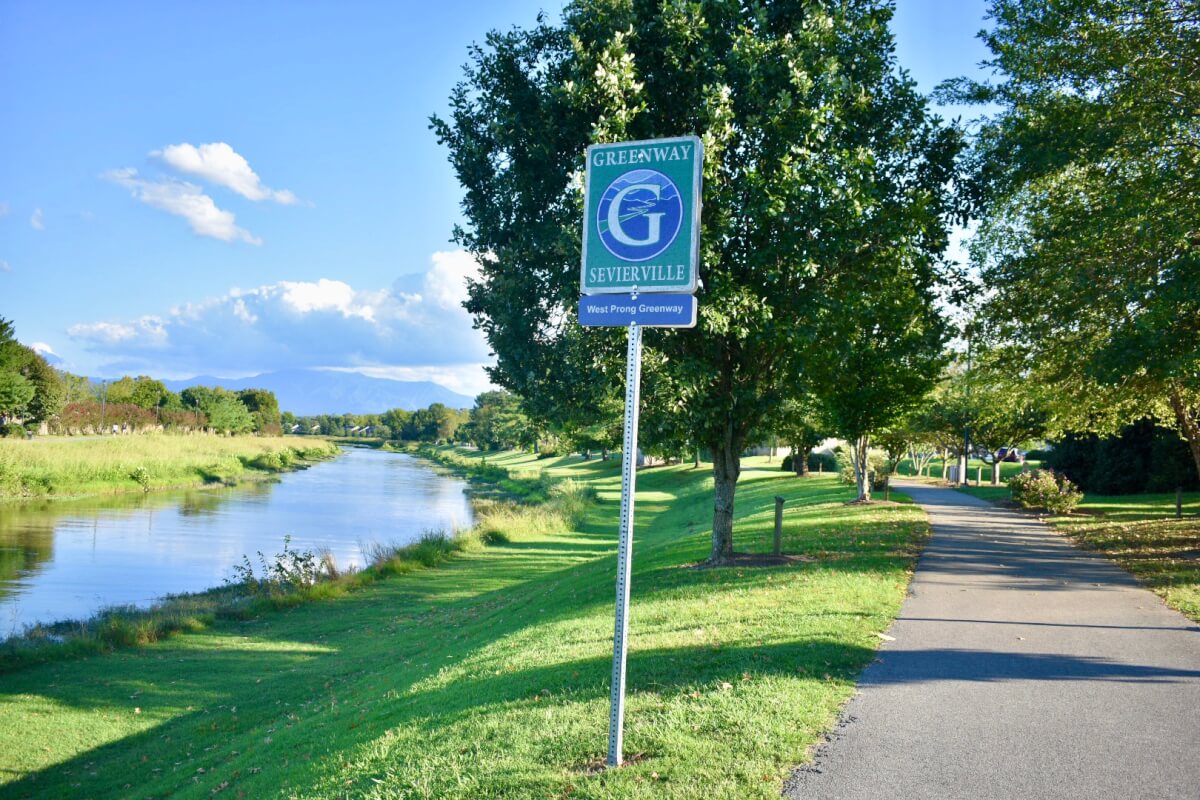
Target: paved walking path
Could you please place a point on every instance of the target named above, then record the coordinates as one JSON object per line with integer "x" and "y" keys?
{"x": 1021, "y": 668}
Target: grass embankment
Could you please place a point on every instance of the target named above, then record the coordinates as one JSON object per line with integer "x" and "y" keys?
{"x": 1141, "y": 534}
{"x": 488, "y": 676}
{"x": 92, "y": 465}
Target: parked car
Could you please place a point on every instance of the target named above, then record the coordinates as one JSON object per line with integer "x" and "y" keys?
{"x": 1012, "y": 454}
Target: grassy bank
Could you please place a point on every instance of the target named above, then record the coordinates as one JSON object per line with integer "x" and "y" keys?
{"x": 488, "y": 676}
{"x": 1141, "y": 534}
{"x": 78, "y": 466}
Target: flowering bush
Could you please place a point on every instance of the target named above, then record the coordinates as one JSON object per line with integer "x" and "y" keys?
{"x": 1043, "y": 488}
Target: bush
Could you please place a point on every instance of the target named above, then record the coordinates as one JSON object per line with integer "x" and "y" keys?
{"x": 12, "y": 431}
{"x": 817, "y": 462}
{"x": 283, "y": 573}
{"x": 140, "y": 476}
{"x": 1043, "y": 488}
{"x": 1143, "y": 457}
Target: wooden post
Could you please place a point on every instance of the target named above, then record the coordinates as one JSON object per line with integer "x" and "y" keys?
{"x": 887, "y": 488}
{"x": 1178, "y": 502}
{"x": 979, "y": 476}
{"x": 778, "y": 525}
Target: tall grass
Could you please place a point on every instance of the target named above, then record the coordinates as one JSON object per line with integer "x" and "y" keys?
{"x": 50, "y": 467}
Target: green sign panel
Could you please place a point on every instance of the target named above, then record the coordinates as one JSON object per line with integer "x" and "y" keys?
{"x": 641, "y": 225}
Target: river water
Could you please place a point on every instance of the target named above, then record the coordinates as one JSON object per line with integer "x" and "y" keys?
{"x": 66, "y": 559}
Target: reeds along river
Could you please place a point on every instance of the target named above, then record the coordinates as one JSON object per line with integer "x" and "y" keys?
{"x": 63, "y": 559}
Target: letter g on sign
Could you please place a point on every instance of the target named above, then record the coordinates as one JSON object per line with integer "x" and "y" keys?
{"x": 639, "y": 215}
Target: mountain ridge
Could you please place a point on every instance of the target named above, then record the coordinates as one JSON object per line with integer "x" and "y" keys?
{"x": 308, "y": 392}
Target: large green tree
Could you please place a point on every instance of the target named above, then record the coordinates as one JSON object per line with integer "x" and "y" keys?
{"x": 1088, "y": 180}
{"x": 821, "y": 162}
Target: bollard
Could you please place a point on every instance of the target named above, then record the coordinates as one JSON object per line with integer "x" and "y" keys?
{"x": 1178, "y": 502}
{"x": 979, "y": 476}
{"x": 778, "y": 525}
{"x": 887, "y": 488}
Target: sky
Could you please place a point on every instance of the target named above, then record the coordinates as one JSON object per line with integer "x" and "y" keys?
{"x": 228, "y": 188}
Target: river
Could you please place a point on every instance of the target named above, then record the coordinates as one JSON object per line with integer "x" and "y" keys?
{"x": 66, "y": 559}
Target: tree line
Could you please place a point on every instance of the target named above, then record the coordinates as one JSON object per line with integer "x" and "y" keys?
{"x": 828, "y": 302}
{"x": 33, "y": 393}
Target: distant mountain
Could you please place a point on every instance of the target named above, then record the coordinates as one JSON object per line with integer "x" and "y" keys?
{"x": 307, "y": 392}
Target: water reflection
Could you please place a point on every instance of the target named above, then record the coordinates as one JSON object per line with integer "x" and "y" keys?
{"x": 66, "y": 559}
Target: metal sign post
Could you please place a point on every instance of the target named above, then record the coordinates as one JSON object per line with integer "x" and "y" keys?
{"x": 633, "y": 385}
{"x": 641, "y": 235}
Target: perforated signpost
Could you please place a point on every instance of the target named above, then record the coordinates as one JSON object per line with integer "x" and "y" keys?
{"x": 641, "y": 247}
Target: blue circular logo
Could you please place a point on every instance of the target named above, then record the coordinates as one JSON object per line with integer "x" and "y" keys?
{"x": 639, "y": 215}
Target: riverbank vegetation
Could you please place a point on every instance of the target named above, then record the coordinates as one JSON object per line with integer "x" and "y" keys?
{"x": 72, "y": 467}
{"x": 488, "y": 675}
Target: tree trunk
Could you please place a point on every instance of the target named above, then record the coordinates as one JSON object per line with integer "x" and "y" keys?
{"x": 995, "y": 469}
{"x": 859, "y": 450}
{"x": 1189, "y": 426}
{"x": 801, "y": 466}
{"x": 727, "y": 466}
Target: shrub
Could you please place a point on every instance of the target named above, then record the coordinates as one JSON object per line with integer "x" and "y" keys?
{"x": 1043, "y": 488}
{"x": 283, "y": 573}
{"x": 817, "y": 462}
{"x": 140, "y": 476}
{"x": 12, "y": 430}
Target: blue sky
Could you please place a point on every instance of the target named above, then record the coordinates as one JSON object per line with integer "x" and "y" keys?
{"x": 227, "y": 188}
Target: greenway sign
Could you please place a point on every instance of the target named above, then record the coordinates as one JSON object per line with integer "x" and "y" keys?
{"x": 641, "y": 227}
{"x": 641, "y": 245}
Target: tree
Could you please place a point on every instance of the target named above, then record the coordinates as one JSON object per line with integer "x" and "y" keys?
{"x": 800, "y": 426}
{"x": 263, "y": 408}
{"x": 227, "y": 414}
{"x": 882, "y": 356}
{"x": 15, "y": 393}
{"x": 24, "y": 370}
{"x": 48, "y": 388}
{"x": 148, "y": 393}
{"x": 1088, "y": 184}
{"x": 1007, "y": 411}
{"x": 820, "y": 162}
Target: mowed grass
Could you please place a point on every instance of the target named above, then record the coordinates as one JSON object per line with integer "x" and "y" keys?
{"x": 89, "y": 465}
{"x": 488, "y": 676}
{"x": 1140, "y": 533}
{"x": 934, "y": 469}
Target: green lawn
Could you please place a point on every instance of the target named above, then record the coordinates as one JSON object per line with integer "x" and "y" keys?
{"x": 488, "y": 677}
{"x": 1007, "y": 469}
{"x": 1140, "y": 533}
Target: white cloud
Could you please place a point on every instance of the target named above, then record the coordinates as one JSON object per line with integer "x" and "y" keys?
{"x": 149, "y": 331}
{"x": 5, "y": 266}
{"x": 446, "y": 281}
{"x": 36, "y": 221}
{"x": 219, "y": 163}
{"x": 43, "y": 348}
{"x": 185, "y": 200}
{"x": 5, "y": 208}
{"x": 468, "y": 379}
{"x": 416, "y": 327}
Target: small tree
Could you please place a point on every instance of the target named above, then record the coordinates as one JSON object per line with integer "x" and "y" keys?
{"x": 800, "y": 427}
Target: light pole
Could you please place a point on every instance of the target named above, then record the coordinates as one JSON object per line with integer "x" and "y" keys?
{"x": 963, "y": 480}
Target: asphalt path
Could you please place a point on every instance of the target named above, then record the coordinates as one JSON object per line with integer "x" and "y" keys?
{"x": 1020, "y": 667}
